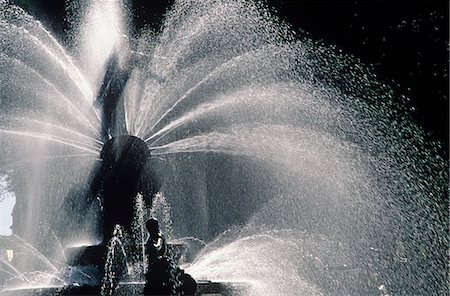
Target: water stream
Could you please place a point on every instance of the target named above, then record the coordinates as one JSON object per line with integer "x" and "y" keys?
{"x": 290, "y": 164}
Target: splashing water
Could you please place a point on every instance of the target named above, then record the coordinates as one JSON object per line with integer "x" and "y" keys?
{"x": 140, "y": 234}
{"x": 302, "y": 172}
{"x": 116, "y": 258}
{"x": 161, "y": 210}
{"x": 40, "y": 272}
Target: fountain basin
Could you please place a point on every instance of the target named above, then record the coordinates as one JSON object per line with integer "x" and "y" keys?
{"x": 204, "y": 288}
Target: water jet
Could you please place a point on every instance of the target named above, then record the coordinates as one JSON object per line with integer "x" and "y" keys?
{"x": 290, "y": 167}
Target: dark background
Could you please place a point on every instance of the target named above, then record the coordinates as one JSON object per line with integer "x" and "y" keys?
{"x": 405, "y": 42}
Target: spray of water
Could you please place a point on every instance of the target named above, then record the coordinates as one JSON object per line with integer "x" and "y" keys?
{"x": 116, "y": 259}
{"x": 300, "y": 171}
{"x": 285, "y": 136}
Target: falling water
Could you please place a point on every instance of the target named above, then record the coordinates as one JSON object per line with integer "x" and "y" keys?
{"x": 299, "y": 169}
{"x": 161, "y": 210}
{"x": 140, "y": 235}
{"x": 116, "y": 257}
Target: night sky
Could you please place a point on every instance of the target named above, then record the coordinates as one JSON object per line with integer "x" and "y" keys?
{"x": 404, "y": 42}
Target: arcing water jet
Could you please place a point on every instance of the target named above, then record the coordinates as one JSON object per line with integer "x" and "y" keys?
{"x": 279, "y": 149}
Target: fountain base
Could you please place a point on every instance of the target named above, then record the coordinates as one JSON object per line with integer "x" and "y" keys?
{"x": 134, "y": 288}
{"x": 85, "y": 256}
{"x": 96, "y": 255}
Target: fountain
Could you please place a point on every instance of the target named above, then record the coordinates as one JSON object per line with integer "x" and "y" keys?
{"x": 287, "y": 165}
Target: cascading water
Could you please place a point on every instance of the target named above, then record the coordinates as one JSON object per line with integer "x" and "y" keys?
{"x": 303, "y": 173}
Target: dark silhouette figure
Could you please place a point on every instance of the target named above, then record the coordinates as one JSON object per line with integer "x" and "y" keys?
{"x": 164, "y": 277}
{"x": 156, "y": 244}
{"x": 123, "y": 173}
{"x": 109, "y": 98}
